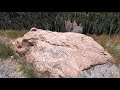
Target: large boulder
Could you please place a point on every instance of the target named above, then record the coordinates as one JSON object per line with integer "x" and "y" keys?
{"x": 67, "y": 55}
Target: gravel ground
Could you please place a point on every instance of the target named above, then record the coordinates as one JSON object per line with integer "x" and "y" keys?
{"x": 102, "y": 71}
{"x": 10, "y": 69}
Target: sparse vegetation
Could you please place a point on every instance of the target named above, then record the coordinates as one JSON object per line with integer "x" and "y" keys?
{"x": 5, "y": 50}
{"x": 12, "y": 33}
{"x": 112, "y": 45}
{"x": 28, "y": 68}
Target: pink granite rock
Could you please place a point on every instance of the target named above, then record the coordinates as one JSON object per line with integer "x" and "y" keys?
{"x": 61, "y": 54}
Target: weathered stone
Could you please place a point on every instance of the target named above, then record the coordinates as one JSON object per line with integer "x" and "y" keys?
{"x": 74, "y": 24}
{"x": 68, "y": 25}
{"x": 73, "y": 27}
{"x": 65, "y": 54}
{"x": 77, "y": 29}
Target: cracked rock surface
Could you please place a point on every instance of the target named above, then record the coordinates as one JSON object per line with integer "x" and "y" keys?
{"x": 67, "y": 55}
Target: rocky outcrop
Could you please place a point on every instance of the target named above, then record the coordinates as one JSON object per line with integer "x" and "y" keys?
{"x": 77, "y": 29}
{"x": 68, "y": 25}
{"x": 67, "y": 55}
{"x": 73, "y": 27}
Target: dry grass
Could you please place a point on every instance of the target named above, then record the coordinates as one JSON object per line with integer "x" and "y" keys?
{"x": 12, "y": 34}
{"x": 112, "y": 45}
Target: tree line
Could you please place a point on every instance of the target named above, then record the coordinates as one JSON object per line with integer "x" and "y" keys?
{"x": 93, "y": 22}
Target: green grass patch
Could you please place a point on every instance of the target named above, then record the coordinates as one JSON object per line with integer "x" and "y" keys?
{"x": 28, "y": 68}
{"x": 5, "y": 50}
